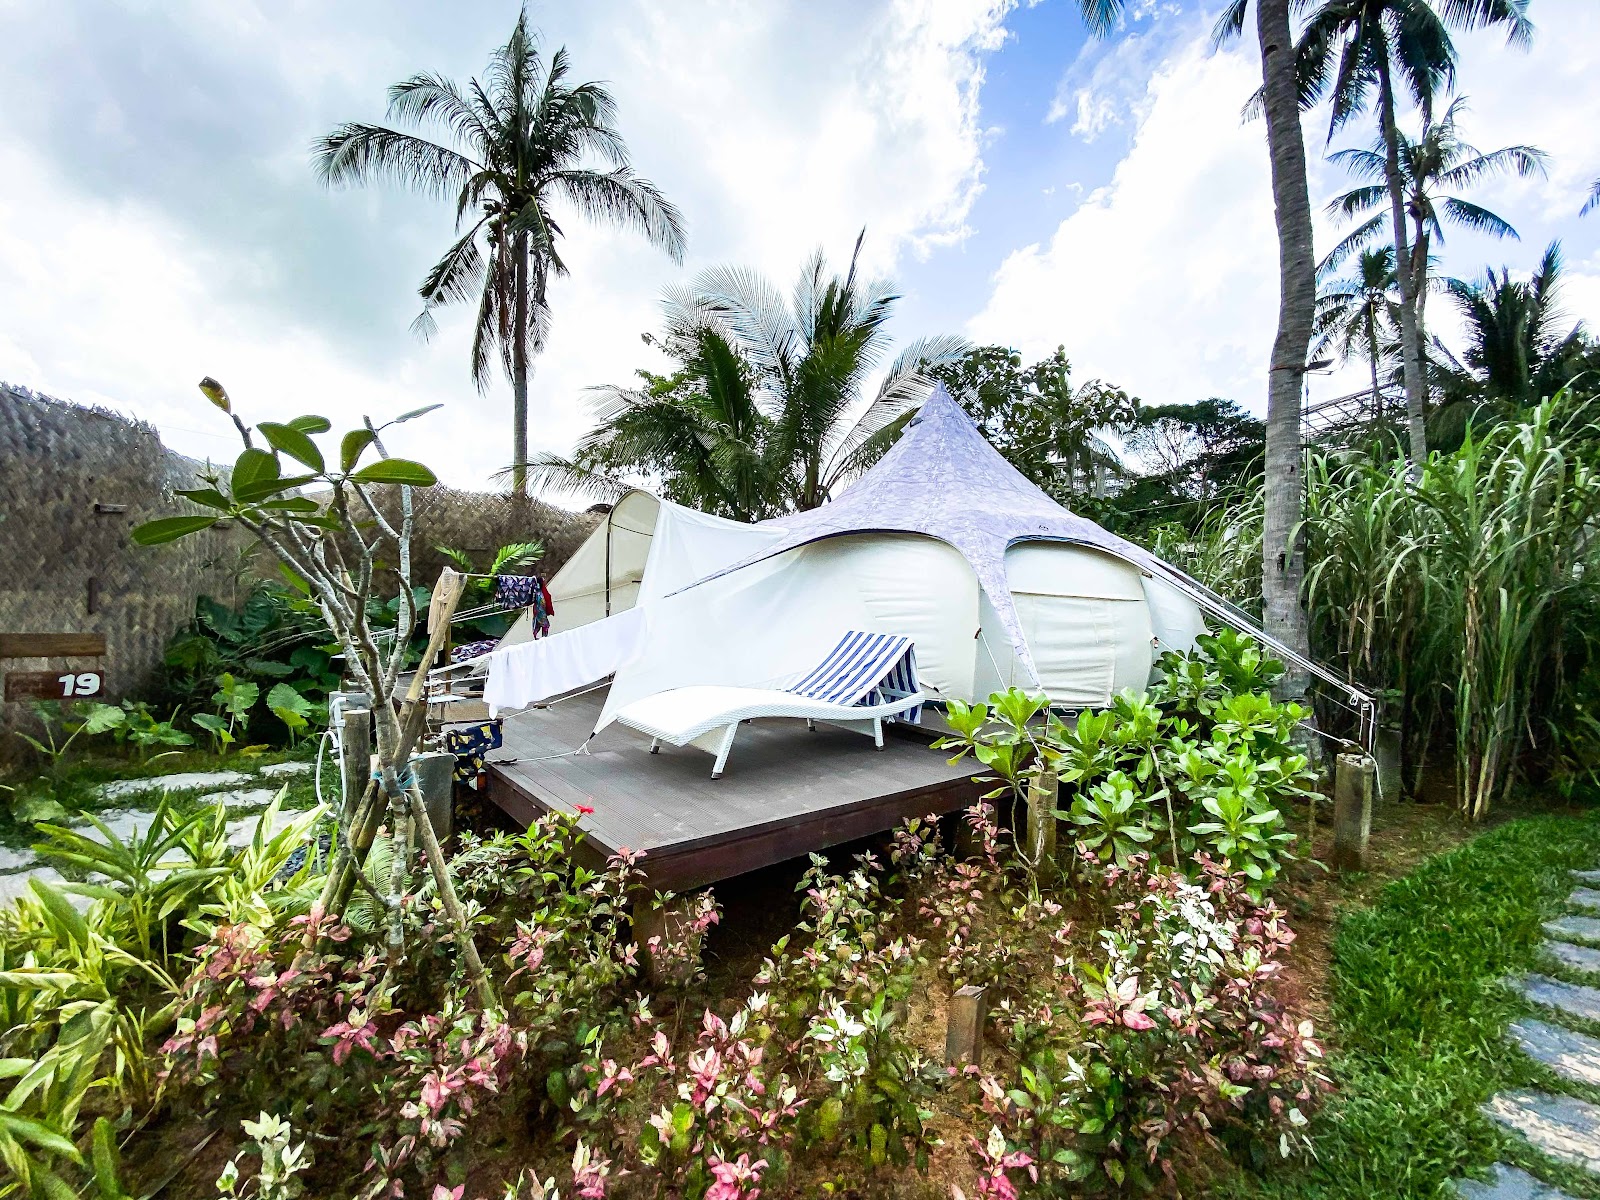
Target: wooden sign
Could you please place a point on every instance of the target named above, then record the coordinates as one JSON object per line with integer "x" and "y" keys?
{"x": 47, "y": 685}
{"x": 51, "y": 645}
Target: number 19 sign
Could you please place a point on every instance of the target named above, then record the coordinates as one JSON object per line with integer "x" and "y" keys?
{"x": 47, "y": 685}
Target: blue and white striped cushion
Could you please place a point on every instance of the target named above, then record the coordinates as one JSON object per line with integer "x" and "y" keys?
{"x": 861, "y": 665}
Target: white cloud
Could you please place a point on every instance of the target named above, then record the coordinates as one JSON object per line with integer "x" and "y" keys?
{"x": 774, "y": 128}
{"x": 1165, "y": 280}
{"x": 1160, "y": 281}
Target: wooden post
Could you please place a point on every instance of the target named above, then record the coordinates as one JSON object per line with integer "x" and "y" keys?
{"x": 1043, "y": 796}
{"x": 1352, "y": 811}
{"x": 355, "y": 760}
{"x": 435, "y": 772}
{"x": 963, "y": 1037}
{"x": 1387, "y": 749}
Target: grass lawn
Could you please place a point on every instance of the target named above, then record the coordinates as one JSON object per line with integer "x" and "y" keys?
{"x": 1418, "y": 1012}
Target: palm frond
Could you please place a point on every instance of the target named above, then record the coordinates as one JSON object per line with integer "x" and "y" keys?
{"x": 553, "y": 474}
{"x": 619, "y": 197}
{"x": 358, "y": 153}
{"x": 1476, "y": 218}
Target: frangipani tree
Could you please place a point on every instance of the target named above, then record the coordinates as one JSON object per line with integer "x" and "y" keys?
{"x": 337, "y": 547}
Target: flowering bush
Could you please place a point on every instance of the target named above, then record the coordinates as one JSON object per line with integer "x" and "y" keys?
{"x": 713, "y": 1121}
{"x": 1178, "y": 1033}
{"x": 311, "y": 1032}
{"x": 308, "y": 1019}
{"x": 842, "y": 1015}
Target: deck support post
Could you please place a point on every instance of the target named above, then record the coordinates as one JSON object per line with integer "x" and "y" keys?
{"x": 1386, "y": 749}
{"x": 1352, "y": 810}
{"x": 435, "y": 772}
{"x": 1044, "y": 792}
{"x": 355, "y": 760}
{"x": 963, "y": 1037}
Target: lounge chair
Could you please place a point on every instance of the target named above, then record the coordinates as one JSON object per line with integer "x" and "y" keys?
{"x": 866, "y": 679}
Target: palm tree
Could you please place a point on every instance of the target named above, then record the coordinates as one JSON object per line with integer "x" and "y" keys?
{"x": 1283, "y": 611}
{"x": 1518, "y": 349}
{"x": 1357, "y": 317}
{"x": 1435, "y": 164}
{"x": 766, "y": 412}
{"x": 1350, "y": 46}
{"x": 511, "y": 151}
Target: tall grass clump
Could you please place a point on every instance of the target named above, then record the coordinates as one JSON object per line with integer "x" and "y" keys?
{"x": 1470, "y": 596}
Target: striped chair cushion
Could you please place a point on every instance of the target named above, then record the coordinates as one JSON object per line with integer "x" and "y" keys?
{"x": 859, "y": 668}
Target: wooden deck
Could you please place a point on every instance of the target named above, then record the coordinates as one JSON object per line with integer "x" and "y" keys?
{"x": 786, "y": 791}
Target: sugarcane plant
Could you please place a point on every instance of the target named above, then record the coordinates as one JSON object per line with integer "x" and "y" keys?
{"x": 318, "y": 516}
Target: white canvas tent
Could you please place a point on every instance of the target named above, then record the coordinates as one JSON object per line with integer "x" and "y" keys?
{"x": 942, "y": 541}
{"x": 645, "y": 546}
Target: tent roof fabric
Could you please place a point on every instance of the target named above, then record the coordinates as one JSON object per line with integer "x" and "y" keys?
{"x": 943, "y": 480}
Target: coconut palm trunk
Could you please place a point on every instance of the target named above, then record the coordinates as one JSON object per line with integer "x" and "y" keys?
{"x": 1410, "y": 340}
{"x": 519, "y": 370}
{"x": 1283, "y": 565}
{"x": 1374, "y": 352}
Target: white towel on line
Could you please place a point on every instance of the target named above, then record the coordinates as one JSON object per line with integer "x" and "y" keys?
{"x": 532, "y": 671}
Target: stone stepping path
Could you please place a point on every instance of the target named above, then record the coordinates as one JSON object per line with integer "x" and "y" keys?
{"x": 1563, "y": 1127}
{"x": 241, "y": 794}
{"x": 1509, "y": 1183}
{"x": 1574, "y": 999}
{"x": 1573, "y": 1056}
{"x": 1586, "y": 929}
{"x": 1560, "y": 1126}
{"x": 1585, "y": 897}
{"x": 287, "y": 770}
{"x": 187, "y": 781}
{"x": 1578, "y": 958}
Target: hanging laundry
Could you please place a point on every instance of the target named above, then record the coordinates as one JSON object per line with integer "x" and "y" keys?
{"x": 529, "y": 592}
{"x": 516, "y": 591}
{"x": 472, "y": 649}
{"x": 470, "y": 744}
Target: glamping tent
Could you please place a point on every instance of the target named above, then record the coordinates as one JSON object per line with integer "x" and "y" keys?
{"x": 943, "y": 541}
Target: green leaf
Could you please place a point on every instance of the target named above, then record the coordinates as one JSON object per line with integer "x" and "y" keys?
{"x": 415, "y": 413}
{"x": 62, "y": 914}
{"x": 286, "y": 439}
{"x": 292, "y": 504}
{"x": 216, "y": 393}
{"x": 170, "y": 529}
{"x": 271, "y": 487}
{"x": 107, "y": 1163}
{"x": 252, "y": 468}
{"x": 310, "y": 424}
{"x": 284, "y": 699}
{"x": 25, "y": 1129}
{"x": 352, "y": 446}
{"x": 397, "y": 470}
{"x": 209, "y": 497}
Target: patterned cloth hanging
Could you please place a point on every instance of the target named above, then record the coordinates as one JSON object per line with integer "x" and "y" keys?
{"x": 471, "y": 744}
{"x": 529, "y": 592}
{"x": 472, "y": 649}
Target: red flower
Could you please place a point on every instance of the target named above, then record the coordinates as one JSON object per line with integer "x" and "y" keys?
{"x": 584, "y": 809}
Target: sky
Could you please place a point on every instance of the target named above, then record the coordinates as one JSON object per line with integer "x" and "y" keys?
{"x": 1021, "y": 183}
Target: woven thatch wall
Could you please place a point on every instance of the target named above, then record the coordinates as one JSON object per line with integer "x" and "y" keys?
{"x": 57, "y": 462}
{"x": 481, "y": 522}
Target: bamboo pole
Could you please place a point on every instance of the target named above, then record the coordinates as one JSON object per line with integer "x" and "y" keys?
{"x": 413, "y": 717}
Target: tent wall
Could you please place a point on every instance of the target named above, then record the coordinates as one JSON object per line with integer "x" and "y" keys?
{"x": 1085, "y": 618}
{"x": 603, "y": 575}
{"x": 766, "y": 624}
